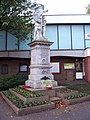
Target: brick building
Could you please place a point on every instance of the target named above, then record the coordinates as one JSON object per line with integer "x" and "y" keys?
{"x": 70, "y": 52}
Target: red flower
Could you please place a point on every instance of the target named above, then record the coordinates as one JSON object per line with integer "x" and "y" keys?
{"x": 25, "y": 86}
{"x": 48, "y": 87}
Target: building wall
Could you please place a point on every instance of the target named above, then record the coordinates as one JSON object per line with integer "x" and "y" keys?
{"x": 64, "y": 74}
{"x": 73, "y": 36}
{"x": 13, "y": 65}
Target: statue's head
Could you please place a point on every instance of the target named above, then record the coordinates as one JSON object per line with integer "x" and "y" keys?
{"x": 38, "y": 12}
{"x": 39, "y": 9}
{"x": 40, "y": 6}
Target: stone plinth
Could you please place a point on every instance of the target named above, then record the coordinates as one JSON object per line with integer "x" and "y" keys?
{"x": 40, "y": 64}
{"x": 40, "y": 83}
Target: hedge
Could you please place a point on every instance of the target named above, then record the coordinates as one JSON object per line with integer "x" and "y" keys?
{"x": 12, "y": 81}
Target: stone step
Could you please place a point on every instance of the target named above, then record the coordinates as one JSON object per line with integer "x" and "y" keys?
{"x": 55, "y": 99}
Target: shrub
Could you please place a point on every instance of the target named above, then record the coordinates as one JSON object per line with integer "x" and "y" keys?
{"x": 13, "y": 81}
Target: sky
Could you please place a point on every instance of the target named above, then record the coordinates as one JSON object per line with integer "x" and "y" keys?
{"x": 65, "y": 6}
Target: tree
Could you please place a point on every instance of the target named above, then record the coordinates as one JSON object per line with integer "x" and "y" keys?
{"x": 88, "y": 9}
{"x": 16, "y": 17}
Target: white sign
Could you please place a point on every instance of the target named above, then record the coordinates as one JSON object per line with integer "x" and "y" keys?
{"x": 87, "y": 36}
{"x": 79, "y": 75}
{"x": 69, "y": 65}
{"x": 55, "y": 67}
{"x": 23, "y": 68}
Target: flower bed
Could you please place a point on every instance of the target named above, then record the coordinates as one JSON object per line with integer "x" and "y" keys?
{"x": 26, "y": 94}
{"x": 21, "y": 108}
{"x": 77, "y": 96}
{"x": 65, "y": 92}
{"x": 29, "y": 97}
{"x": 73, "y": 99}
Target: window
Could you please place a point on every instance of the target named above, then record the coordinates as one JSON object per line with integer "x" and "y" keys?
{"x": 77, "y": 37}
{"x": 51, "y": 34}
{"x": 24, "y": 44}
{"x": 4, "y": 69}
{"x": 64, "y": 37}
{"x": 23, "y": 68}
{"x": 2, "y": 40}
{"x": 87, "y": 35}
{"x": 11, "y": 42}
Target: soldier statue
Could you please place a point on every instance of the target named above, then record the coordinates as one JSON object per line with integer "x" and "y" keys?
{"x": 40, "y": 22}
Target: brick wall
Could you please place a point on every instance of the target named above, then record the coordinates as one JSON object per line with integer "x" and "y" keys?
{"x": 87, "y": 68}
{"x": 13, "y": 65}
{"x": 64, "y": 75}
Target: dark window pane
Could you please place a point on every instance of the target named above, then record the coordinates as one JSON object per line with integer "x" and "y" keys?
{"x": 79, "y": 65}
{"x": 4, "y": 69}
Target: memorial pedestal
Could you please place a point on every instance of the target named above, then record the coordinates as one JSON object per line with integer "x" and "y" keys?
{"x": 40, "y": 73}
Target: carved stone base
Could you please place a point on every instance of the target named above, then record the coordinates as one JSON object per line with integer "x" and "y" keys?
{"x": 39, "y": 77}
{"x": 41, "y": 83}
{"x": 40, "y": 68}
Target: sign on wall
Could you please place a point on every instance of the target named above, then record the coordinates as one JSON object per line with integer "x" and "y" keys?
{"x": 79, "y": 75}
{"x": 69, "y": 65}
{"x": 87, "y": 36}
{"x": 55, "y": 67}
{"x": 23, "y": 68}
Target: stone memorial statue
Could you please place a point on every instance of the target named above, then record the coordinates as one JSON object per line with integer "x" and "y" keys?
{"x": 40, "y": 69}
{"x": 40, "y": 22}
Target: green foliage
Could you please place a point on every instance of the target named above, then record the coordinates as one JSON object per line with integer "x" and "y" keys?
{"x": 88, "y": 9}
{"x": 77, "y": 96}
{"x": 16, "y": 17}
{"x": 20, "y": 104}
{"x": 26, "y": 94}
{"x": 65, "y": 90}
{"x": 13, "y": 81}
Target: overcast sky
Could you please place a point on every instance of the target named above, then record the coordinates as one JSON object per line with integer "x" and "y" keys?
{"x": 65, "y": 6}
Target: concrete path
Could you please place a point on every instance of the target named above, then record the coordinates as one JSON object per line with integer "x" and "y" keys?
{"x": 73, "y": 112}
